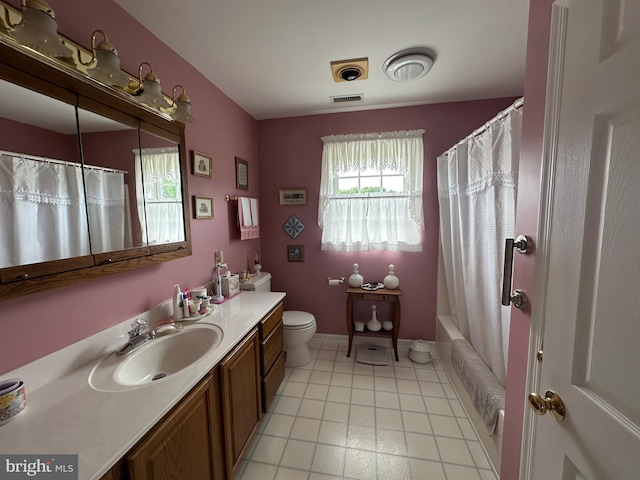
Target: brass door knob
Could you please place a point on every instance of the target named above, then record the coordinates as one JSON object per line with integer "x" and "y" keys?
{"x": 550, "y": 403}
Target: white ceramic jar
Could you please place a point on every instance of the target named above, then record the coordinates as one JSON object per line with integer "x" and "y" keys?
{"x": 356, "y": 280}
{"x": 420, "y": 351}
{"x": 391, "y": 282}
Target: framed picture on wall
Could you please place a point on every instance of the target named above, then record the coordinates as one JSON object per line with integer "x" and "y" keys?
{"x": 202, "y": 207}
{"x": 242, "y": 174}
{"x": 295, "y": 253}
{"x": 202, "y": 164}
{"x": 293, "y": 196}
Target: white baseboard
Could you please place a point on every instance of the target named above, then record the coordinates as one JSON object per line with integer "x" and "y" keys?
{"x": 403, "y": 343}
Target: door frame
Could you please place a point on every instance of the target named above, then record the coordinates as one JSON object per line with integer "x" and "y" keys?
{"x": 555, "y": 75}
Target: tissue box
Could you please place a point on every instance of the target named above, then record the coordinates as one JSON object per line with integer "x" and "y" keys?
{"x": 230, "y": 285}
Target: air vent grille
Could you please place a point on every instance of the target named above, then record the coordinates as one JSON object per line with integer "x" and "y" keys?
{"x": 358, "y": 97}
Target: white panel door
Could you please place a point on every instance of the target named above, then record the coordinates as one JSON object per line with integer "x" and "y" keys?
{"x": 592, "y": 308}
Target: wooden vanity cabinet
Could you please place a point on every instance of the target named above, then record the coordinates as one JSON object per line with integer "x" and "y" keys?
{"x": 206, "y": 434}
{"x": 187, "y": 443}
{"x": 241, "y": 400}
{"x": 271, "y": 355}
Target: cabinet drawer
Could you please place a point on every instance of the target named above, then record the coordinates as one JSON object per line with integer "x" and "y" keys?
{"x": 271, "y": 321}
{"x": 376, "y": 297}
{"x": 272, "y": 381}
{"x": 270, "y": 348}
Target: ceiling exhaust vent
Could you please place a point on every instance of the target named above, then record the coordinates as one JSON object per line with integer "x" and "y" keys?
{"x": 358, "y": 97}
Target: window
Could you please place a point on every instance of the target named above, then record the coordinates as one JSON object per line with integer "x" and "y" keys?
{"x": 161, "y": 197}
{"x": 371, "y": 192}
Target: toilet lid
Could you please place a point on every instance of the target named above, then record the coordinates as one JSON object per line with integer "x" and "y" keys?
{"x": 297, "y": 319}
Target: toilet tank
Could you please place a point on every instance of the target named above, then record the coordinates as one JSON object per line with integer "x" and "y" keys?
{"x": 260, "y": 282}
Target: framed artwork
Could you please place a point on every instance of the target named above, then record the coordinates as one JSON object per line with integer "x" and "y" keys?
{"x": 295, "y": 253}
{"x": 242, "y": 174}
{"x": 202, "y": 164}
{"x": 293, "y": 196}
{"x": 202, "y": 207}
{"x": 293, "y": 226}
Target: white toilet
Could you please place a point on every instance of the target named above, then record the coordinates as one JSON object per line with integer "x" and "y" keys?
{"x": 299, "y": 327}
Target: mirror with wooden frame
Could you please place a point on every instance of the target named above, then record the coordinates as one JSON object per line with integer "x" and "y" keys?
{"x": 91, "y": 183}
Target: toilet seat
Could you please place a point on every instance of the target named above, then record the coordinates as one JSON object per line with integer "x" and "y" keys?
{"x": 297, "y": 320}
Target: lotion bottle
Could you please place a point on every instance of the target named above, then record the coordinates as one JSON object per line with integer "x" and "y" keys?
{"x": 177, "y": 301}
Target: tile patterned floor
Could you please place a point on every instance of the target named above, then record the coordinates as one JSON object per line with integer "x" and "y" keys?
{"x": 339, "y": 419}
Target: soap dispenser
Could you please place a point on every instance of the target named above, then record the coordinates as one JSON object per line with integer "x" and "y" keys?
{"x": 355, "y": 280}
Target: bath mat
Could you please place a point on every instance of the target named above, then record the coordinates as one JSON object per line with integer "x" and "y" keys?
{"x": 372, "y": 355}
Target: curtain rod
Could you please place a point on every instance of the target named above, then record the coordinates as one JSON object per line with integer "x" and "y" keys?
{"x": 61, "y": 162}
{"x": 478, "y": 131}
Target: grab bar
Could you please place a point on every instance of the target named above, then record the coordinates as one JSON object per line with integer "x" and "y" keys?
{"x": 523, "y": 245}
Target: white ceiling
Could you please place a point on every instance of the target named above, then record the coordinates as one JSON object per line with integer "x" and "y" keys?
{"x": 272, "y": 57}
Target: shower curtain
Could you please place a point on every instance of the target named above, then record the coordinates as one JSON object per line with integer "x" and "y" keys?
{"x": 477, "y": 182}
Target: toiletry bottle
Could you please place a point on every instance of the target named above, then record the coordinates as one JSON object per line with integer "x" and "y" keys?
{"x": 177, "y": 303}
{"x": 185, "y": 305}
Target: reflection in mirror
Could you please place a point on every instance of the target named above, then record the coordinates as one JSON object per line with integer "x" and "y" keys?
{"x": 115, "y": 223}
{"x": 162, "y": 193}
{"x": 42, "y": 203}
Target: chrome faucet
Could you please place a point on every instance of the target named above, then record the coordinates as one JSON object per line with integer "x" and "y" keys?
{"x": 139, "y": 334}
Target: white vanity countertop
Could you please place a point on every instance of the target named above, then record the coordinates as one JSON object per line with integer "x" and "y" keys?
{"x": 65, "y": 415}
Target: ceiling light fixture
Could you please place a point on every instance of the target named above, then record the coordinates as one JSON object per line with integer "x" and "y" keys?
{"x": 151, "y": 90}
{"x": 107, "y": 69}
{"x": 182, "y": 113}
{"x": 350, "y": 70}
{"x": 350, "y": 73}
{"x": 39, "y": 29}
{"x": 409, "y": 64}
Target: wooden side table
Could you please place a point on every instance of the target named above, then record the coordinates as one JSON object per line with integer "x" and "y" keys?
{"x": 380, "y": 295}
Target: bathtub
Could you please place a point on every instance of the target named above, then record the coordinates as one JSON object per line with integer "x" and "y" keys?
{"x": 446, "y": 331}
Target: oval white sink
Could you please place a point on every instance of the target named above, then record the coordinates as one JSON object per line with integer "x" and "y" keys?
{"x": 159, "y": 358}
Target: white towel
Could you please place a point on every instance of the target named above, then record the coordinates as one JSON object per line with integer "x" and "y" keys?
{"x": 254, "y": 212}
{"x": 245, "y": 211}
{"x": 248, "y": 218}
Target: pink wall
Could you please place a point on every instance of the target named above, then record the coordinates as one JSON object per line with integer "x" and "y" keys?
{"x": 38, "y": 324}
{"x": 18, "y": 137}
{"x": 290, "y": 152}
{"x": 526, "y": 223}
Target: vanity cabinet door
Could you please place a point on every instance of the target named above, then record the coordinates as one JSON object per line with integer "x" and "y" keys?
{"x": 241, "y": 398}
{"x": 185, "y": 444}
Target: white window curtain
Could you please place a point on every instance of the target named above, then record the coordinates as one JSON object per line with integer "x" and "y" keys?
{"x": 377, "y": 221}
{"x": 43, "y": 210}
{"x": 160, "y": 200}
{"x": 106, "y": 205}
{"x": 477, "y": 185}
